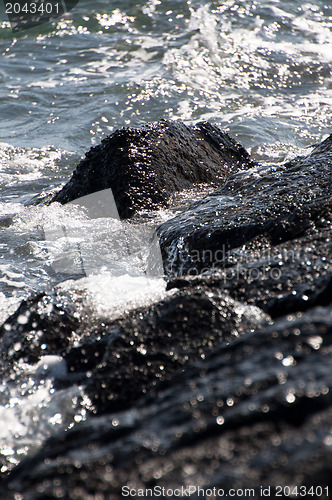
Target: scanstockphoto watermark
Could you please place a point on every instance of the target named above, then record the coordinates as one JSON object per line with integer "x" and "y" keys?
{"x": 87, "y": 236}
{"x": 26, "y": 14}
{"x": 188, "y": 491}
{"x": 238, "y": 263}
{"x": 282, "y": 491}
{"x": 249, "y": 274}
{"x": 238, "y": 272}
{"x": 224, "y": 254}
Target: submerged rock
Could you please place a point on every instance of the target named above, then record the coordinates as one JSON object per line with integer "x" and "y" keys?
{"x": 145, "y": 166}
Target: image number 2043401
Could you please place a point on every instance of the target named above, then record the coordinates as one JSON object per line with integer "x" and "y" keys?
{"x": 26, "y": 14}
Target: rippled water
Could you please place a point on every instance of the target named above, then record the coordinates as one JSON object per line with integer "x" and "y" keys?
{"x": 261, "y": 70}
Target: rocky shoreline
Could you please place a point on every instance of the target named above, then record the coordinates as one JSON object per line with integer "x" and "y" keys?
{"x": 224, "y": 383}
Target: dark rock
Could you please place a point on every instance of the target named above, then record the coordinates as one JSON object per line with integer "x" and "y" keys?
{"x": 120, "y": 361}
{"x": 127, "y": 353}
{"x": 148, "y": 346}
{"x": 323, "y": 147}
{"x": 41, "y": 325}
{"x": 279, "y": 203}
{"x": 279, "y": 279}
{"x": 145, "y": 166}
{"x": 202, "y": 388}
{"x": 255, "y": 412}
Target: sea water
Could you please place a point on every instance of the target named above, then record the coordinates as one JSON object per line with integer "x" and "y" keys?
{"x": 259, "y": 69}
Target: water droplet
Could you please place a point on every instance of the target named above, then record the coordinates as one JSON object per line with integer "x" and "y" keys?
{"x": 23, "y": 319}
{"x": 289, "y": 361}
{"x": 56, "y": 419}
{"x": 328, "y": 440}
{"x": 290, "y": 398}
{"x": 315, "y": 341}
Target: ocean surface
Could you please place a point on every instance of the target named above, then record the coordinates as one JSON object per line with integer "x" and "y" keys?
{"x": 260, "y": 70}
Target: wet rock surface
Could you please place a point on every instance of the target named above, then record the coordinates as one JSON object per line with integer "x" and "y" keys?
{"x": 42, "y": 325}
{"x": 278, "y": 203}
{"x": 255, "y": 411}
{"x": 145, "y": 166}
{"x": 226, "y": 382}
{"x": 148, "y": 347}
{"x": 288, "y": 277}
{"x": 120, "y": 361}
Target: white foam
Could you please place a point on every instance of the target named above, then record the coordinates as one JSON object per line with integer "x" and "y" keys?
{"x": 8, "y": 305}
{"x": 51, "y": 366}
{"x": 108, "y": 296}
{"x": 31, "y": 410}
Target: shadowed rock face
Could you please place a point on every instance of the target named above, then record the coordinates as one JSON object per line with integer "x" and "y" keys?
{"x": 145, "y": 166}
{"x": 255, "y": 411}
{"x": 167, "y": 337}
{"x": 131, "y": 356}
{"x": 226, "y": 382}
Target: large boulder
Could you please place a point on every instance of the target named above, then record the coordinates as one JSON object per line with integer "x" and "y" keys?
{"x": 147, "y": 347}
{"x": 254, "y": 412}
{"x": 119, "y": 361}
{"x": 145, "y": 166}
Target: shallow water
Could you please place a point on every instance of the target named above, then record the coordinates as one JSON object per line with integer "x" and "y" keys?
{"x": 261, "y": 70}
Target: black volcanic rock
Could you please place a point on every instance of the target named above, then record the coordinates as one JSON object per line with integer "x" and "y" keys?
{"x": 291, "y": 276}
{"x": 41, "y": 325}
{"x": 254, "y": 412}
{"x": 145, "y": 166}
{"x": 278, "y": 203}
{"x": 130, "y": 356}
{"x": 151, "y": 344}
